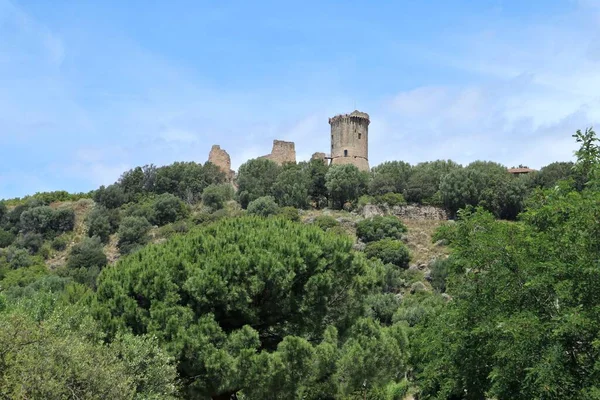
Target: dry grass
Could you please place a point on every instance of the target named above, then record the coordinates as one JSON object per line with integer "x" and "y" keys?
{"x": 421, "y": 247}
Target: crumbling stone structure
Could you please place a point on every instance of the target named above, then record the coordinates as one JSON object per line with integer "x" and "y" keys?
{"x": 349, "y": 139}
{"x": 221, "y": 159}
{"x": 283, "y": 152}
{"x": 320, "y": 156}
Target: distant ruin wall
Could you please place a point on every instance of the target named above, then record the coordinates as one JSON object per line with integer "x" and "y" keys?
{"x": 319, "y": 156}
{"x": 283, "y": 152}
{"x": 408, "y": 211}
{"x": 221, "y": 159}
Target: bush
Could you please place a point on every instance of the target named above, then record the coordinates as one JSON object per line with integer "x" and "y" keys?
{"x": 389, "y": 251}
{"x": 18, "y": 258}
{"x": 31, "y": 241}
{"x": 59, "y": 243}
{"x": 325, "y": 222}
{"x": 168, "y": 208}
{"x": 263, "y": 206}
{"x": 133, "y": 233}
{"x": 63, "y": 220}
{"x": 377, "y": 228}
{"x": 46, "y": 221}
{"x": 446, "y": 232}
{"x": 439, "y": 273}
{"x": 101, "y": 223}
{"x": 112, "y": 196}
{"x": 6, "y": 238}
{"x": 215, "y": 196}
{"x": 391, "y": 199}
{"x": 87, "y": 254}
{"x": 290, "y": 213}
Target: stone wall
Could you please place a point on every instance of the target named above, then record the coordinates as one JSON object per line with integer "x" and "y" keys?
{"x": 283, "y": 152}
{"x": 409, "y": 211}
{"x": 221, "y": 159}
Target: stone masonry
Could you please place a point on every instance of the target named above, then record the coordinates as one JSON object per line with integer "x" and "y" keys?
{"x": 283, "y": 152}
{"x": 350, "y": 139}
{"x": 221, "y": 159}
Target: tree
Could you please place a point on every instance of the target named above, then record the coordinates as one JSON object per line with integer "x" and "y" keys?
{"x": 102, "y": 222}
{"x": 378, "y": 228}
{"x": 168, "y": 208}
{"x": 256, "y": 179}
{"x": 215, "y": 196}
{"x": 263, "y": 206}
{"x": 588, "y": 156}
{"x": 389, "y": 177}
{"x": 424, "y": 181}
{"x": 291, "y": 186}
{"x": 112, "y": 196}
{"x": 389, "y": 251}
{"x": 228, "y": 301}
{"x": 548, "y": 176}
{"x": 317, "y": 190}
{"x": 133, "y": 233}
{"x": 345, "y": 183}
{"x": 76, "y": 363}
{"x": 87, "y": 254}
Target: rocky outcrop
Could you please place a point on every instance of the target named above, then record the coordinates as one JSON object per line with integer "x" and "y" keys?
{"x": 409, "y": 211}
{"x": 221, "y": 159}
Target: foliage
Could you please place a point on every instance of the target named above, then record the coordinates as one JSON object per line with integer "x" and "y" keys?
{"x": 32, "y": 242}
{"x": 228, "y": 299}
{"x": 345, "y": 183}
{"x": 439, "y": 273}
{"x": 588, "y": 156}
{"x": 60, "y": 243}
{"x": 548, "y": 176}
{"x": 45, "y": 220}
{"x": 325, "y": 222}
{"x": 389, "y": 177}
{"x": 215, "y": 196}
{"x": 289, "y": 213}
{"x": 87, "y": 254}
{"x": 292, "y": 186}
{"x": 112, "y": 196}
{"x": 75, "y": 362}
{"x": 102, "y": 222}
{"x": 263, "y": 206}
{"x": 168, "y": 208}
{"x": 6, "y": 238}
{"x": 389, "y": 251}
{"x": 424, "y": 181}
{"x": 378, "y": 227}
{"x": 317, "y": 190}
{"x": 256, "y": 179}
{"x": 133, "y": 233}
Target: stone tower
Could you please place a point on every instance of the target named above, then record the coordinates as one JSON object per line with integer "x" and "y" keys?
{"x": 350, "y": 139}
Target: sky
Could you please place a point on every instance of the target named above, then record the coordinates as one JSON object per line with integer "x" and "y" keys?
{"x": 90, "y": 89}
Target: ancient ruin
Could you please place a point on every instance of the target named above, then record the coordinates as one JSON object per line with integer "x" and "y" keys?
{"x": 349, "y": 139}
{"x": 221, "y": 159}
{"x": 349, "y": 145}
{"x": 283, "y": 152}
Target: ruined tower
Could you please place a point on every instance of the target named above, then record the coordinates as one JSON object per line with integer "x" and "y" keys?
{"x": 350, "y": 139}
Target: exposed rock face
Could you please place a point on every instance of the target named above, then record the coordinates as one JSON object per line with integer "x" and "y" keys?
{"x": 283, "y": 152}
{"x": 221, "y": 159}
{"x": 410, "y": 211}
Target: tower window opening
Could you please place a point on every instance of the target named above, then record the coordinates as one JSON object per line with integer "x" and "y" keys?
{"x": 345, "y": 153}
{"x": 359, "y": 135}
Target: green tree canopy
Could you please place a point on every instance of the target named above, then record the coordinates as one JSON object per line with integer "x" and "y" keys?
{"x": 224, "y": 299}
{"x": 345, "y": 183}
{"x": 256, "y": 179}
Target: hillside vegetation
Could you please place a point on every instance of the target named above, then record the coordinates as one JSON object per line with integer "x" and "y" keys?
{"x": 305, "y": 284}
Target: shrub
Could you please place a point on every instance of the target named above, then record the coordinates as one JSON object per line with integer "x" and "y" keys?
{"x": 439, "y": 274}
{"x": 18, "y": 258}
{"x": 87, "y": 254}
{"x": 215, "y": 196}
{"x": 446, "y": 232}
{"x": 31, "y": 241}
{"x": 63, "y": 220}
{"x": 3, "y": 210}
{"x": 290, "y": 213}
{"x": 6, "y": 238}
{"x": 391, "y": 199}
{"x": 168, "y": 208}
{"x": 99, "y": 224}
{"x": 263, "y": 206}
{"x": 45, "y": 220}
{"x": 133, "y": 233}
{"x": 204, "y": 218}
{"x": 325, "y": 222}
{"x": 389, "y": 251}
{"x": 59, "y": 243}
{"x": 364, "y": 200}
{"x": 111, "y": 196}
{"x": 377, "y": 228}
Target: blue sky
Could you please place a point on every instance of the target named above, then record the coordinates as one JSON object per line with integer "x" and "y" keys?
{"x": 89, "y": 89}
